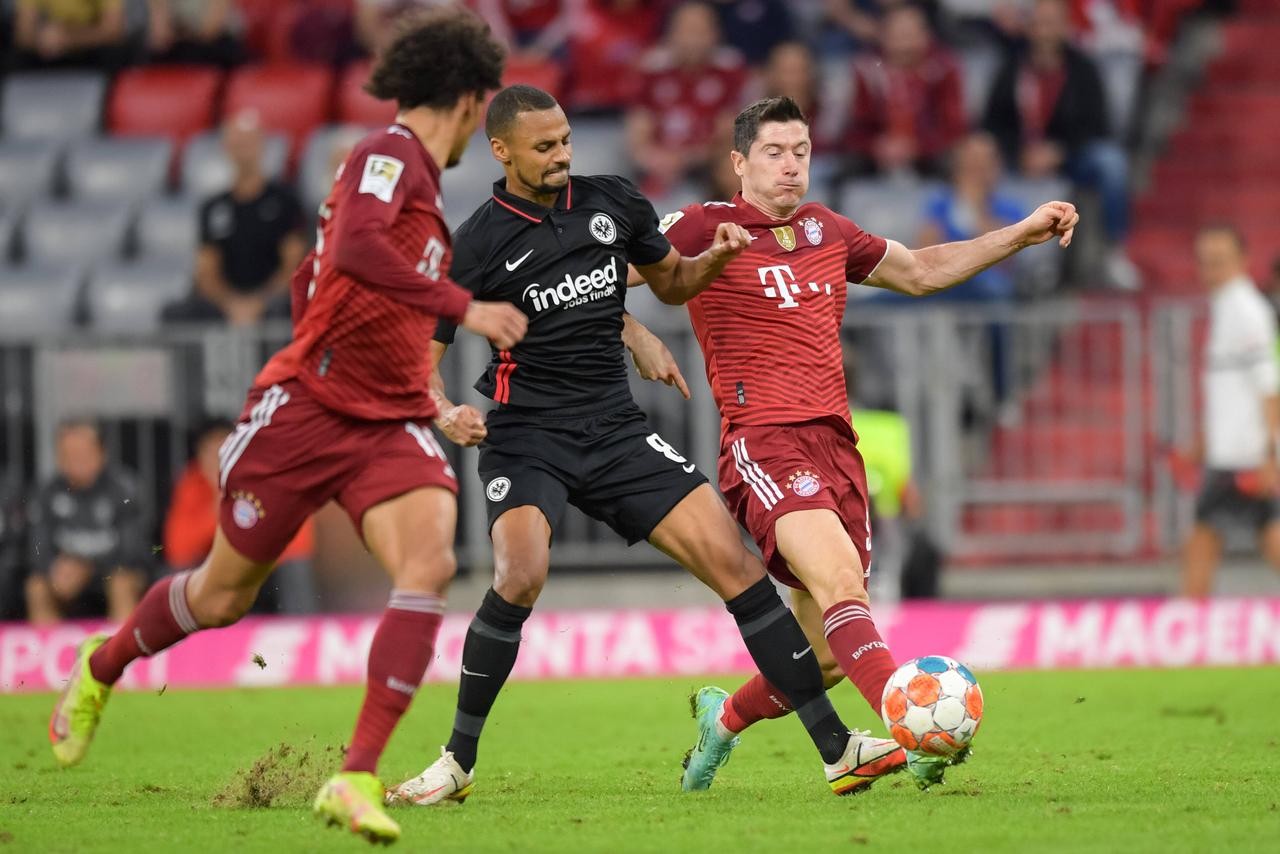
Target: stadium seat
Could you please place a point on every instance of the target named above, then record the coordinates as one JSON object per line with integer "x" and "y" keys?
{"x": 81, "y": 232}
{"x": 129, "y": 297}
{"x": 600, "y": 148}
{"x": 317, "y": 167}
{"x": 28, "y": 168}
{"x": 892, "y": 208}
{"x": 38, "y": 299}
{"x": 177, "y": 101}
{"x": 289, "y": 99}
{"x": 206, "y": 171}
{"x": 466, "y": 186}
{"x": 167, "y": 229}
{"x": 128, "y": 169}
{"x": 358, "y": 107}
{"x": 53, "y": 105}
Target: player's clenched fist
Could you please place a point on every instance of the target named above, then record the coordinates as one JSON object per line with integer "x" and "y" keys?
{"x": 463, "y": 425}
{"x": 730, "y": 241}
{"x": 1050, "y": 220}
{"x": 500, "y": 322}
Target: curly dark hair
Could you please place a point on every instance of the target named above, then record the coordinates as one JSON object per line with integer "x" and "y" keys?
{"x": 437, "y": 58}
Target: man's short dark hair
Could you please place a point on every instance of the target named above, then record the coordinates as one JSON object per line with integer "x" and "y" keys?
{"x": 508, "y": 104}
{"x": 1228, "y": 229}
{"x": 438, "y": 58}
{"x": 747, "y": 125}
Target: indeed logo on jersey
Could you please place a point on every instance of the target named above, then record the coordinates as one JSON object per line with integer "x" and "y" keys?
{"x": 576, "y": 290}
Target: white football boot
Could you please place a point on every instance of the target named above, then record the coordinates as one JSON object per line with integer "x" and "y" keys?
{"x": 865, "y": 760}
{"x": 444, "y": 780}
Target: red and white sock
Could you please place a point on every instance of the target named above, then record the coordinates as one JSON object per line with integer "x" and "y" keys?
{"x": 858, "y": 647}
{"x": 756, "y": 700}
{"x": 161, "y": 619}
{"x": 398, "y": 658}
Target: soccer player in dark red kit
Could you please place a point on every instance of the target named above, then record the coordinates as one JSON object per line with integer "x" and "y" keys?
{"x": 769, "y": 328}
{"x": 344, "y": 412}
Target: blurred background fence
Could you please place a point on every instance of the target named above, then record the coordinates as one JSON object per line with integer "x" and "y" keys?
{"x": 1032, "y": 426}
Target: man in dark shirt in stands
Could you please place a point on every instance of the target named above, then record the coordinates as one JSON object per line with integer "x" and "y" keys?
{"x": 251, "y": 239}
{"x": 1047, "y": 109}
{"x": 88, "y": 544}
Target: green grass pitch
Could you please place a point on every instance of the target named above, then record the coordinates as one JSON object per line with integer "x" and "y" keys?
{"x": 1070, "y": 761}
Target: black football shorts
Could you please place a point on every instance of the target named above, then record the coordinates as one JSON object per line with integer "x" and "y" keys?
{"x": 607, "y": 461}
{"x": 1222, "y": 501}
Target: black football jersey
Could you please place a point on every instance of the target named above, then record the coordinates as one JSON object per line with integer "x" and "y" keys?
{"x": 566, "y": 266}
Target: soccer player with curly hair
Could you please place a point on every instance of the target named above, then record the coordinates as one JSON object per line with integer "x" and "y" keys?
{"x": 344, "y": 412}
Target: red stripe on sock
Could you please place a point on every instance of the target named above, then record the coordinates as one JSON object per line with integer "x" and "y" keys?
{"x": 858, "y": 647}
{"x": 150, "y": 628}
{"x": 398, "y": 659}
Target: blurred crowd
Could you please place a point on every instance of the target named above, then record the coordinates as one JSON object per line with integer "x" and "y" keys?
{"x": 953, "y": 96}
{"x": 947, "y": 107}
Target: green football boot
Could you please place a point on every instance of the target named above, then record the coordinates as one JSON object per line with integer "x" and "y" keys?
{"x": 711, "y": 752}
{"x": 75, "y": 717}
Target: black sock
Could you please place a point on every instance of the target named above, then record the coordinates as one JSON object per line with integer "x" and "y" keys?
{"x": 773, "y": 637}
{"x": 489, "y": 653}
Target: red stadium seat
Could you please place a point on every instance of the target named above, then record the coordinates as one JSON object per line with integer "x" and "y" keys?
{"x": 159, "y": 100}
{"x": 289, "y": 99}
{"x": 356, "y": 106}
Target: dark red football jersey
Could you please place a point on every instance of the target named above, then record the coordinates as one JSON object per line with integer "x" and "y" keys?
{"x": 378, "y": 281}
{"x": 769, "y": 326}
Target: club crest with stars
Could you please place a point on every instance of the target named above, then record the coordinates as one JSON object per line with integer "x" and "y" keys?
{"x": 804, "y": 483}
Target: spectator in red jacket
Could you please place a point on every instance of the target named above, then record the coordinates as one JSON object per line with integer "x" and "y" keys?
{"x": 691, "y": 85}
{"x": 908, "y": 107}
{"x": 192, "y": 520}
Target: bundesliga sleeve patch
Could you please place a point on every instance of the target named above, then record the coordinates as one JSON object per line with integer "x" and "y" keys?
{"x": 669, "y": 220}
{"x": 381, "y": 174}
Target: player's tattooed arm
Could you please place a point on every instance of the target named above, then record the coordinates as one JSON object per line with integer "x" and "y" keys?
{"x": 676, "y": 279}
{"x": 653, "y": 360}
{"x": 461, "y": 424}
{"x": 920, "y": 272}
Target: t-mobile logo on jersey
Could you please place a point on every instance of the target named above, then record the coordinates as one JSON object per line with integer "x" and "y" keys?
{"x": 784, "y": 285}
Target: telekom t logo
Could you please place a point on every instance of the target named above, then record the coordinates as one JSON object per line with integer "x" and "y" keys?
{"x": 779, "y": 281}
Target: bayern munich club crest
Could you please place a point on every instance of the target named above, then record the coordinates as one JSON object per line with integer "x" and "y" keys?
{"x": 246, "y": 509}
{"x": 498, "y": 489}
{"x": 804, "y": 483}
{"x": 812, "y": 230}
{"x": 602, "y": 228}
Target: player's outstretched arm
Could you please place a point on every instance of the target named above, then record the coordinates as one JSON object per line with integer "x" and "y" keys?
{"x": 653, "y": 360}
{"x": 461, "y": 424}
{"x": 676, "y": 279}
{"x": 920, "y": 272}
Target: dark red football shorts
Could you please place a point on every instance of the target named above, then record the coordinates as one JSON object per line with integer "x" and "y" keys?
{"x": 767, "y": 472}
{"x": 289, "y": 455}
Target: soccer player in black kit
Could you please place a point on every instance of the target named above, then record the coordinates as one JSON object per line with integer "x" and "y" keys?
{"x": 566, "y": 429}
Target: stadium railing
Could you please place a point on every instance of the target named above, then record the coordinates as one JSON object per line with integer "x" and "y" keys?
{"x": 1037, "y": 429}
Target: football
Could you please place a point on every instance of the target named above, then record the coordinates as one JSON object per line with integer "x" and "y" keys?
{"x": 932, "y": 704}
